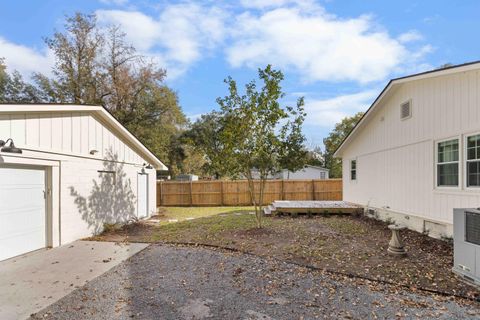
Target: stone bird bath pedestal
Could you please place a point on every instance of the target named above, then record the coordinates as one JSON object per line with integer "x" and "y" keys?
{"x": 395, "y": 246}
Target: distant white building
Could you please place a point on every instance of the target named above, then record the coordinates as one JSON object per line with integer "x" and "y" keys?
{"x": 186, "y": 177}
{"x": 308, "y": 172}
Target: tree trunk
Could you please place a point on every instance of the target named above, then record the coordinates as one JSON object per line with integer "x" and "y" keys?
{"x": 262, "y": 192}
{"x": 251, "y": 189}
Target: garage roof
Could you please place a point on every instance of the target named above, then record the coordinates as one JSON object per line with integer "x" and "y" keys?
{"x": 394, "y": 83}
{"x": 100, "y": 111}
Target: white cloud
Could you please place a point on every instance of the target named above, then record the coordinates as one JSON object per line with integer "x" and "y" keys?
{"x": 297, "y": 36}
{"x": 431, "y": 19}
{"x": 142, "y": 31}
{"x": 24, "y": 59}
{"x": 410, "y": 36}
{"x": 194, "y": 117}
{"x": 177, "y": 38}
{"x": 263, "y": 4}
{"x": 327, "y": 112}
{"x": 316, "y": 45}
{"x": 115, "y": 2}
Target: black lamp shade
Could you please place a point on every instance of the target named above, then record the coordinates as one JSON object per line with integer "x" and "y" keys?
{"x": 11, "y": 148}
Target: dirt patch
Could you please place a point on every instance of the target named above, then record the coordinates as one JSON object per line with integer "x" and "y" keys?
{"x": 317, "y": 228}
{"x": 140, "y": 231}
{"x": 254, "y": 232}
{"x": 347, "y": 244}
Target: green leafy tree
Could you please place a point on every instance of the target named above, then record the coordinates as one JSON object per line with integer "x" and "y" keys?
{"x": 98, "y": 66}
{"x": 333, "y": 141}
{"x": 205, "y": 136}
{"x": 193, "y": 161}
{"x": 315, "y": 157}
{"x": 77, "y": 75}
{"x": 293, "y": 154}
{"x": 14, "y": 89}
{"x": 445, "y": 65}
{"x": 257, "y": 133}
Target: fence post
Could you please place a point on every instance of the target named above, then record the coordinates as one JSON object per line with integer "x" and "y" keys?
{"x": 221, "y": 193}
{"x": 161, "y": 193}
{"x": 313, "y": 189}
{"x": 191, "y": 196}
{"x": 283, "y": 191}
{"x": 238, "y": 193}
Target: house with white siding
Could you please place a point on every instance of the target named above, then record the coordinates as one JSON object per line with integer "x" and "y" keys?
{"x": 307, "y": 172}
{"x": 65, "y": 171}
{"x": 415, "y": 154}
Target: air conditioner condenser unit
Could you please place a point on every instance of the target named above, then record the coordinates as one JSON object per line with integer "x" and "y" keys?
{"x": 466, "y": 244}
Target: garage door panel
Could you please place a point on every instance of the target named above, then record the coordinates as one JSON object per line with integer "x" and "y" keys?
{"x": 21, "y": 177}
{"x": 21, "y": 221}
{"x": 22, "y": 214}
{"x": 21, "y": 199}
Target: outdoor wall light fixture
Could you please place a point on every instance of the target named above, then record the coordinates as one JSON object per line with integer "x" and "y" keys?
{"x": 147, "y": 166}
{"x": 11, "y": 148}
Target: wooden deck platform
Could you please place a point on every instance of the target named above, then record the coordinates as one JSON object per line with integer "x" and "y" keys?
{"x": 312, "y": 207}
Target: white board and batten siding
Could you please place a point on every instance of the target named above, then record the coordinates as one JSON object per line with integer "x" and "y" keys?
{"x": 396, "y": 159}
{"x": 308, "y": 172}
{"x": 84, "y": 190}
{"x": 68, "y": 133}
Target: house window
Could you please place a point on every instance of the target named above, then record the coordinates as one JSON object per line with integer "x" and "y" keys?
{"x": 322, "y": 175}
{"x": 473, "y": 161}
{"x": 353, "y": 170}
{"x": 447, "y": 163}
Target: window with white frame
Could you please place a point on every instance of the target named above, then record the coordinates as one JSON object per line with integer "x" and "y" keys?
{"x": 447, "y": 163}
{"x": 322, "y": 175}
{"x": 473, "y": 161}
{"x": 353, "y": 170}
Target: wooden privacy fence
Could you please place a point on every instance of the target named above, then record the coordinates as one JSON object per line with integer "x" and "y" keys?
{"x": 235, "y": 192}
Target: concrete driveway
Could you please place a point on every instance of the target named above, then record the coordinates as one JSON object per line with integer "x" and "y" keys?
{"x": 33, "y": 281}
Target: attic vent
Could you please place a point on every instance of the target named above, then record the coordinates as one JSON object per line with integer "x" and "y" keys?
{"x": 406, "y": 110}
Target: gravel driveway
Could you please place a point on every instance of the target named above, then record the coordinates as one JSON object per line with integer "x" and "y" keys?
{"x": 168, "y": 282}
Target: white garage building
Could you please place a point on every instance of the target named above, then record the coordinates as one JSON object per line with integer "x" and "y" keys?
{"x": 78, "y": 169}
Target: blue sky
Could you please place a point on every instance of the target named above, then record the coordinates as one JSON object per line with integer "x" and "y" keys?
{"x": 338, "y": 54}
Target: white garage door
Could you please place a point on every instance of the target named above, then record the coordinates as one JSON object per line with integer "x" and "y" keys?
{"x": 22, "y": 211}
{"x": 142, "y": 194}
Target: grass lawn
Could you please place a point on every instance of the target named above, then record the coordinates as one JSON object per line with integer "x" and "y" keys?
{"x": 170, "y": 214}
{"x": 349, "y": 244}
